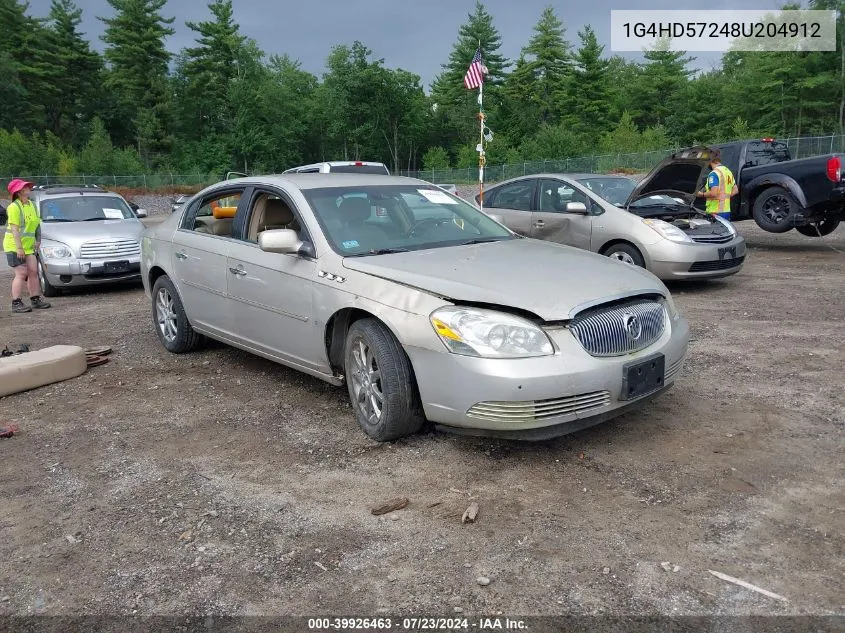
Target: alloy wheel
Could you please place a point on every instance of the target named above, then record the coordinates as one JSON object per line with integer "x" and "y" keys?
{"x": 166, "y": 315}
{"x": 366, "y": 382}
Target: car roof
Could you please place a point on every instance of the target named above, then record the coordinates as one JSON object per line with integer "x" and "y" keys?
{"x": 319, "y": 181}
{"x": 63, "y": 191}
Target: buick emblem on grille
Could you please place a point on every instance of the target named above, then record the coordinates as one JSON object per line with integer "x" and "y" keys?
{"x": 632, "y": 325}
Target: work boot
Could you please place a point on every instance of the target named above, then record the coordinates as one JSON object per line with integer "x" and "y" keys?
{"x": 38, "y": 303}
{"x": 18, "y": 306}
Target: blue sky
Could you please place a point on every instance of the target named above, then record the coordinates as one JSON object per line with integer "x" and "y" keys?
{"x": 417, "y": 37}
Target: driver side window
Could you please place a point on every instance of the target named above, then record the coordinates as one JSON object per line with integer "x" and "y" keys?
{"x": 555, "y": 195}
{"x": 516, "y": 195}
{"x": 216, "y": 214}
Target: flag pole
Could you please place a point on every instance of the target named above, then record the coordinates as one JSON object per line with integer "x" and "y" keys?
{"x": 481, "y": 160}
{"x": 481, "y": 157}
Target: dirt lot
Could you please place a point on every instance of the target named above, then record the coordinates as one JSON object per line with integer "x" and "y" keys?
{"x": 219, "y": 482}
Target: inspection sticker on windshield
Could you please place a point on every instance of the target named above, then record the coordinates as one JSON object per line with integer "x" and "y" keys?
{"x": 437, "y": 197}
{"x": 350, "y": 244}
{"x": 113, "y": 214}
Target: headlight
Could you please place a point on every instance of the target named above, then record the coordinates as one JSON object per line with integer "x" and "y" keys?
{"x": 55, "y": 250}
{"x": 489, "y": 334}
{"x": 730, "y": 226}
{"x": 668, "y": 231}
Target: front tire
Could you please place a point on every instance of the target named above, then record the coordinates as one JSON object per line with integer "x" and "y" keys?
{"x": 775, "y": 210}
{"x": 818, "y": 229}
{"x": 625, "y": 253}
{"x": 170, "y": 321}
{"x": 380, "y": 382}
{"x": 47, "y": 289}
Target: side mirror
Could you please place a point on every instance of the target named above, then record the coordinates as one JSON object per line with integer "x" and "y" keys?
{"x": 141, "y": 213}
{"x": 284, "y": 241}
{"x": 576, "y": 207}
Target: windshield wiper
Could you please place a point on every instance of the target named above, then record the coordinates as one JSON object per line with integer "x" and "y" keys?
{"x": 382, "y": 251}
{"x": 482, "y": 240}
{"x": 93, "y": 219}
{"x": 51, "y": 220}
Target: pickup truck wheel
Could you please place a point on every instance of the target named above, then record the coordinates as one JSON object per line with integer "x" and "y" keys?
{"x": 47, "y": 289}
{"x": 775, "y": 210}
{"x": 625, "y": 253}
{"x": 819, "y": 229}
{"x": 170, "y": 321}
{"x": 380, "y": 382}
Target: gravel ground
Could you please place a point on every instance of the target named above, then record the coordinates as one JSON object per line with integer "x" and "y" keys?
{"x": 218, "y": 482}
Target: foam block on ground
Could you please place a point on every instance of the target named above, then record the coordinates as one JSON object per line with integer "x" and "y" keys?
{"x": 31, "y": 370}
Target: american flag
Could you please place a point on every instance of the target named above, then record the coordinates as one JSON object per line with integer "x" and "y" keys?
{"x": 476, "y": 72}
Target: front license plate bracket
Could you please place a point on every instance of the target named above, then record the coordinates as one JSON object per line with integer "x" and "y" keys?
{"x": 643, "y": 377}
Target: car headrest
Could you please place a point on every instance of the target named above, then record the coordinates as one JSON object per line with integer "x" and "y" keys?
{"x": 276, "y": 212}
{"x": 354, "y": 209}
{"x": 223, "y": 213}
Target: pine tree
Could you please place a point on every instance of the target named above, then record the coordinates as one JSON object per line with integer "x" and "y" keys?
{"x": 138, "y": 64}
{"x": 29, "y": 65}
{"x": 663, "y": 77}
{"x": 76, "y": 86}
{"x": 210, "y": 68}
{"x": 549, "y": 65}
{"x": 456, "y": 106}
{"x": 589, "y": 91}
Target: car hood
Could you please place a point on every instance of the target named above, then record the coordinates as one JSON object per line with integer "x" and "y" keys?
{"x": 547, "y": 279}
{"x": 681, "y": 173}
{"x": 75, "y": 233}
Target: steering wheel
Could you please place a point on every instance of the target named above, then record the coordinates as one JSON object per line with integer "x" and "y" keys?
{"x": 433, "y": 221}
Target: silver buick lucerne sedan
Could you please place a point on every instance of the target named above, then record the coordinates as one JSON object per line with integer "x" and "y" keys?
{"x": 422, "y": 305}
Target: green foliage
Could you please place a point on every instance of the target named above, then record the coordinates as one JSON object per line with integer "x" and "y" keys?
{"x": 224, "y": 105}
{"x": 436, "y": 158}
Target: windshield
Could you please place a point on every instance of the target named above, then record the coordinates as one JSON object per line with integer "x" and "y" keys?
{"x": 374, "y": 219}
{"x": 614, "y": 190}
{"x": 617, "y": 190}
{"x": 79, "y": 208}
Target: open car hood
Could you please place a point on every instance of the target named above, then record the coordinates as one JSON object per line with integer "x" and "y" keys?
{"x": 680, "y": 173}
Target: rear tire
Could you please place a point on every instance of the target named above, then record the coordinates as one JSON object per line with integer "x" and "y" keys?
{"x": 627, "y": 253}
{"x": 380, "y": 381}
{"x": 775, "y": 210}
{"x": 170, "y": 321}
{"x": 819, "y": 229}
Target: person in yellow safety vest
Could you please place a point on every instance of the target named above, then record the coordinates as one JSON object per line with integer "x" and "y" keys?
{"x": 21, "y": 244}
{"x": 719, "y": 188}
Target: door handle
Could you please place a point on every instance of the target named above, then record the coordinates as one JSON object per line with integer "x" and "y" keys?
{"x": 539, "y": 223}
{"x": 240, "y": 272}
{"x": 181, "y": 256}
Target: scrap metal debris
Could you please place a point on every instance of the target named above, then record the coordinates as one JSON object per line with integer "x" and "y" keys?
{"x": 470, "y": 514}
{"x": 747, "y": 585}
{"x": 390, "y": 506}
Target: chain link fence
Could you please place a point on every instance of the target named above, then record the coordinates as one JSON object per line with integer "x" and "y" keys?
{"x": 799, "y": 147}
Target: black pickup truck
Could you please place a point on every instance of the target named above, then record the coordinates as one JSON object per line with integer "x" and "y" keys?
{"x": 777, "y": 192}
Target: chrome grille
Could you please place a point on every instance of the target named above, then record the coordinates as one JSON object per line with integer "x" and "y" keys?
{"x": 712, "y": 239}
{"x": 110, "y": 249}
{"x": 619, "y": 330}
{"x": 533, "y": 410}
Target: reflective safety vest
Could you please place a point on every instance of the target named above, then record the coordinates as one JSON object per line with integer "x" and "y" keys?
{"x": 27, "y": 228}
{"x": 722, "y": 204}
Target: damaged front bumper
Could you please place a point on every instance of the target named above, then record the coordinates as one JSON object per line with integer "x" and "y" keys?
{"x": 538, "y": 398}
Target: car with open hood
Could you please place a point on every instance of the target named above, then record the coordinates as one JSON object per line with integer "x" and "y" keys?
{"x": 775, "y": 190}
{"x": 647, "y": 224}
{"x": 89, "y": 236}
{"x": 423, "y": 306}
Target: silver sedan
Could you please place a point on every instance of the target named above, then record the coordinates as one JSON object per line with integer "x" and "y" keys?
{"x": 423, "y": 306}
{"x": 614, "y": 216}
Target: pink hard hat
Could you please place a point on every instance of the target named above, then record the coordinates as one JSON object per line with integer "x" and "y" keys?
{"x": 17, "y": 184}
